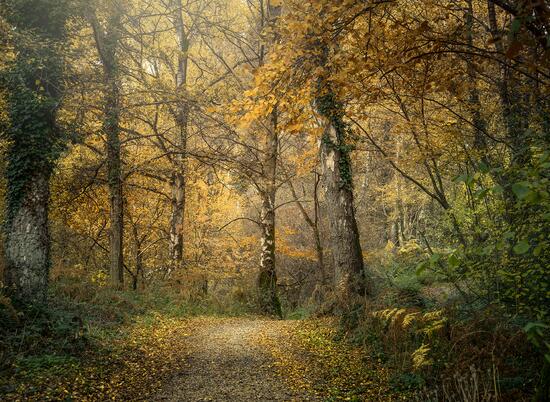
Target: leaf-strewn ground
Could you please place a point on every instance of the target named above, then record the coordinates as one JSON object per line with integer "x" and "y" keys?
{"x": 228, "y": 363}
{"x": 210, "y": 359}
{"x": 129, "y": 364}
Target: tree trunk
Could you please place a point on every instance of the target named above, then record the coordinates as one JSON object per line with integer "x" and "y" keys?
{"x": 32, "y": 90}
{"x": 349, "y": 275}
{"x": 27, "y": 248}
{"x": 317, "y": 235}
{"x": 176, "y": 217}
{"x": 480, "y": 125}
{"x": 107, "y": 42}
{"x": 114, "y": 173}
{"x": 138, "y": 257}
{"x": 267, "y": 279}
{"x": 182, "y": 120}
{"x": 399, "y": 210}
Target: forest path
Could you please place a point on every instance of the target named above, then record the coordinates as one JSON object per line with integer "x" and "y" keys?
{"x": 227, "y": 361}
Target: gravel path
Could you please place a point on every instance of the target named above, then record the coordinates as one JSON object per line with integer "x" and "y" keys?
{"x": 226, "y": 363}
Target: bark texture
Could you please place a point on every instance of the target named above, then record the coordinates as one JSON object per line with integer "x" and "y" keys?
{"x": 178, "y": 181}
{"x": 27, "y": 246}
{"x": 114, "y": 173}
{"x": 267, "y": 279}
{"x": 349, "y": 275}
{"x": 32, "y": 89}
{"x": 107, "y": 42}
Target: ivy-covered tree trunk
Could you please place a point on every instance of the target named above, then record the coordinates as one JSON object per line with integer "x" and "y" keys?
{"x": 107, "y": 42}
{"x": 349, "y": 275}
{"x": 178, "y": 181}
{"x": 34, "y": 87}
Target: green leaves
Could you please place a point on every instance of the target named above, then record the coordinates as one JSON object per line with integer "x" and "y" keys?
{"x": 465, "y": 178}
{"x": 33, "y": 81}
{"x": 522, "y": 247}
{"x": 453, "y": 261}
{"x": 536, "y": 333}
{"x": 421, "y": 267}
{"x": 521, "y": 189}
{"x": 498, "y": 189}
{"x": 434, "y": 258}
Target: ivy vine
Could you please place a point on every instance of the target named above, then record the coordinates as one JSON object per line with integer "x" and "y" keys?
{"x": 329, "y": 107}
{"x": 32, "y": 82}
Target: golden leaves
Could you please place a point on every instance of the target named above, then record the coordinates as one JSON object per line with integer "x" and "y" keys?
{"x": 130, "y": 365}
{"x": 420, "y": 357}
{"x": 312, "y": 360}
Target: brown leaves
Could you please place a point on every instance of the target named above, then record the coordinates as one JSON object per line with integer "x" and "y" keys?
{"x": 514, "y": 49}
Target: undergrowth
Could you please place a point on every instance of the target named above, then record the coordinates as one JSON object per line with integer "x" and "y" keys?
{"x": 437, "y": 345}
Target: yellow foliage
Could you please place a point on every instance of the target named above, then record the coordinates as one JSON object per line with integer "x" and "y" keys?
{"x": 420, "y": 357}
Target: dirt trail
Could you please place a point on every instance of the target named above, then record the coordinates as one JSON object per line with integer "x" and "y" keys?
{"x": 226, "y": 363}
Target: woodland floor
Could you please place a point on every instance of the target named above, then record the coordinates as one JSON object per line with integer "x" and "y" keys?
{"x": 228, "y": 362}
{"x": 208, "y": 358}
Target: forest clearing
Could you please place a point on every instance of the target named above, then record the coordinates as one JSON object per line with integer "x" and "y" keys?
{"x": 275, "y": 200}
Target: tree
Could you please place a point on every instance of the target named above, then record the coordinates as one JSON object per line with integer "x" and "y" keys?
{"x": 267, "y": 278}
{"x": 33, "y": 79}
{"x": 107, "y": 38}
{"x": 256, "y": 144}
{"x": 298, "y": 73}
{"x": 182, "y": 119}
{"x": 349, "y": 270}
